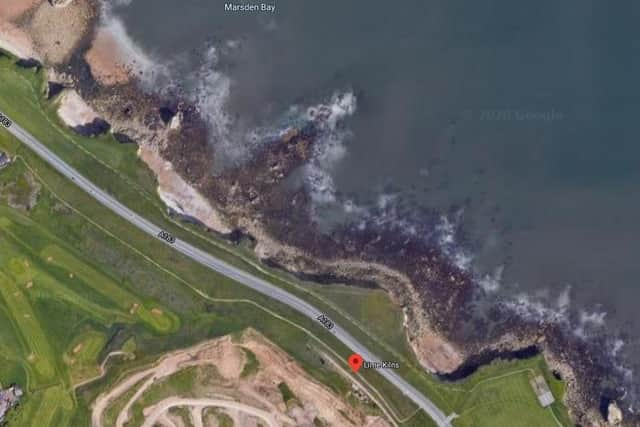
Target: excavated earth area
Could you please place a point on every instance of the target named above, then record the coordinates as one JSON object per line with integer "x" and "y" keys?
{"x": 246, "y": 398}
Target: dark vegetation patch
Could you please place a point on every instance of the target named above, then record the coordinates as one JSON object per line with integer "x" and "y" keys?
{"x": 473, "y": 363}
{"x": 54, "y": 89}
{"x": 28, "y": 63}
{"x": 122, "y": 138}
{"x": 251, "y": 364}
{"x": 97, "y": 127}
{"x": 286, "y": 392}
{"x": 167, "y": 113}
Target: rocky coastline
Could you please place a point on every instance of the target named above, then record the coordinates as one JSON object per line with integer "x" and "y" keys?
{"x": 250, "y": 200}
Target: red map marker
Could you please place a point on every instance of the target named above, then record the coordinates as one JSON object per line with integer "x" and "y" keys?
{"x": 355, "y": 361}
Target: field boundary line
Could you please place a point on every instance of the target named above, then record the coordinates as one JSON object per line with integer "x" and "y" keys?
{"x": 497, "y": 377}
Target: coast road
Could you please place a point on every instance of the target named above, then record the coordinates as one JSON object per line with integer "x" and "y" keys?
{"x": 220, "y": 266}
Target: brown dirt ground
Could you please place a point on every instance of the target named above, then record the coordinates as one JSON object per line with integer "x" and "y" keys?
{"x": 103, "y": 60}
{"x": 14, "y": 9}
{"x": 259, "y": 390}
{"x": 74, "y": 111}
{"x": 17, "y": 41}
{"x": 56, "y": 31}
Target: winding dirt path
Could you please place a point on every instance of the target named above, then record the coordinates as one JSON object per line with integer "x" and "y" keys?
{"x": 103, "y": 369}
{"x": 104, "y": 400}
{"x": 163, "y": 406}
{"x": 196, "y": 416}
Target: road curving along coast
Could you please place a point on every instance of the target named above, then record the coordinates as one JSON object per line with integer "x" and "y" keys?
{"x": 223, "y": 268}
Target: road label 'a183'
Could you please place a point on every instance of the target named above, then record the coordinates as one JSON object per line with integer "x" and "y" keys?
{"x": 326, "y": 322}
{"x": 4, "y": 120}
{"x": 167, "y": 237}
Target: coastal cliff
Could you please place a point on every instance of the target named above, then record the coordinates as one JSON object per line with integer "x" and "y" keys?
{"x": 251, "y": 200}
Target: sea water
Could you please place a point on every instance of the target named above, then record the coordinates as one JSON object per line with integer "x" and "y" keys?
{"x": 516, "y": 122}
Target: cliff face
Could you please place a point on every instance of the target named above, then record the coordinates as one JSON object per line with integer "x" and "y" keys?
{"x": 436, "y": 296}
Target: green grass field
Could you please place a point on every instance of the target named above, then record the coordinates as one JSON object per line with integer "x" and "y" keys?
{"x": 90, "y": 268}
{"x": 59, "y": 309}
{"x": 82, "y": 354}
{"x": 500, "y": 395}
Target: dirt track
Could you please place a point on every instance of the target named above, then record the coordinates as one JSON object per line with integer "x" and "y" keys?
{"x": 244, "y": 397}
{"x": 162, "y": 407}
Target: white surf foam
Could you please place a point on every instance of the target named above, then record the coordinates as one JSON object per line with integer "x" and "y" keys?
{"x": 446, "y": 236}
{"x": 586, "y": 326}
{"x": 210, "y": 89}
{"x": 143, "y": 65}
{"x": 589, "y": 323}
{"x": 541, "y": 309}
{"x": 329, "y": 148}
{"x": 121, "y": 2}
{"x": 206, "y": 86}
{"x": 491, "y": 282}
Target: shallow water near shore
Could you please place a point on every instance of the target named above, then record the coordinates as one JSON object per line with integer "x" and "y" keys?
{"x": 517, "y": 122}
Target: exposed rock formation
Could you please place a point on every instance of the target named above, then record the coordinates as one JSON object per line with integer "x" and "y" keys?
{"x": 46, "y": 31}
{"x": 60, "y": 3}
{"x": 614, "y": 416}
{"x": 56, "y": 42}
{"x": 252, "y": 200}
{"x": 106, "y": 60}
{"x": 79, "y": 116}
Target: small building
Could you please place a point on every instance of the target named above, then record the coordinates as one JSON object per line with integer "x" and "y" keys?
{"x": 541, "y": 388}
{"x": 4, "y": 160}
{"x": 9, "y": 398}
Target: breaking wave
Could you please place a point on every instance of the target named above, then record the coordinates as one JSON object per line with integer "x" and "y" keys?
{"x": 588, "y": 326}
{"x": 446, "y": 232}
{"x": 206, "y": 86}
{"x": 329, "y": 149}
{"x": 144, "y": 66}
{"x": 491, "y": 282}
{"x": 210, "y": 89}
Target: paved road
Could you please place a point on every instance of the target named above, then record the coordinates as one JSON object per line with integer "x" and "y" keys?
{"x": 228, "y": 270}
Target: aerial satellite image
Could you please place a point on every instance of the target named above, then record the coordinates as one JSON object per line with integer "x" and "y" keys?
{"x": 319, "y": 213}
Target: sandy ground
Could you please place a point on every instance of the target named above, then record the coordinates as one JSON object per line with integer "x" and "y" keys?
{"x": 247, "y": 400}
{"x": 195, "y": 413}
{"x": 315, "y": 398}
{"x": 162, "y": 407}
{"x": 105, "y": 60}
{"x": 74, "y": 111}
{"x": 14, "y": 9}
{"x": 17, "y": 41}
{"x": 62, "y": 3}
{"x": 435, "y": 353}
{"x": 179, "y": 195}
{"x": 167, "y": 421}
{"x": 166, "y": 366}
{"x": 35, "y": 29}
{"x": 57, "y": 30}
